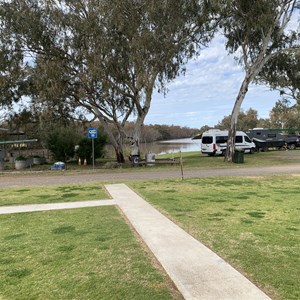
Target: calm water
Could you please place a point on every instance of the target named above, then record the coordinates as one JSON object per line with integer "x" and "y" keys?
{"x": 172, "y": 146}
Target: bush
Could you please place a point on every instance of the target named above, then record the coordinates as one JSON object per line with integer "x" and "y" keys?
{"x": 61, "y": 142}
{"x": 21, "y": 157}
{"x": 84, "y": 150}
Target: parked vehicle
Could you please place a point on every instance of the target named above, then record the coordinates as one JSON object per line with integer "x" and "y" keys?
{"x": 265, "y": 138}
{"x": 214, "y": 142}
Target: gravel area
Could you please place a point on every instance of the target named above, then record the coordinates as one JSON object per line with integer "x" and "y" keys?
{"x": 64, "y": 177}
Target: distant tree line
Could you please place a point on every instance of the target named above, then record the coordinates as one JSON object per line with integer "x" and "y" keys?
{"x": 61, "y": 135}
{"x": 284, "y": 115}
{"x": 157, "y": 132}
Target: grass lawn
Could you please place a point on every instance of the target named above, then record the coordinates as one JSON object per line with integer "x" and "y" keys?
{"x": 52, "y": 194}
{"x": 270, "y": 158}
{"x": 191, "y": 160}
{"x": 86, "y": 253}
{"x": 251, "y": 222}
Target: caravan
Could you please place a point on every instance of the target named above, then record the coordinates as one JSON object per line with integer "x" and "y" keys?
{"x": 214, "y": 142}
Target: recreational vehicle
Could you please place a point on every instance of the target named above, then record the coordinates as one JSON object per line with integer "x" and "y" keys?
{"x": 214, "y": 142}
{"x": 265, "y": 138}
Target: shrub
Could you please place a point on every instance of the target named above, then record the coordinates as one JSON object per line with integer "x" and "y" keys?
{"x": 61, "y": 142}
{"x": 21, "y": 157}
{"x": 84, "y": 150}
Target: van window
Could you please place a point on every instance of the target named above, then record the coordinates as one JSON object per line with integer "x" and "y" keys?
{"x": 221, "y": 139}
{"x": 238, "y": 139}
{"x": 207, "y": 140}
{"x": 247, "y": 139}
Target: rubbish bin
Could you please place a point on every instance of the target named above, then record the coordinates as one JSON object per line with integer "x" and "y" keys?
{"x": 238, "y": 156}
{"x": 135, "y": 160}
{"x": 150, "y": 159}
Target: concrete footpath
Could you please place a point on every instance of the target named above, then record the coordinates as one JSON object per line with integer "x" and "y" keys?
{"x": 197, "y": 272}
{"x": 53, "y": 206}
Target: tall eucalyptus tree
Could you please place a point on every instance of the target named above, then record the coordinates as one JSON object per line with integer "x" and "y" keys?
{"x": 256, "y": 33}
{"x": 106, "y": 56}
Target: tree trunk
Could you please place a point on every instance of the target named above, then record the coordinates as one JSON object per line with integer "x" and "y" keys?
{"x": 118, "y": 145}
{"x": 137, "y": 135}
{"x": 142, "y": 113}
{"x": 119, "y": 154}
{"x": 234, "y": 117}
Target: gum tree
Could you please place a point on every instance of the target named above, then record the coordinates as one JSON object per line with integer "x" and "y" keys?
{"x": 106, "y": 57}
{"x": 256, "y": 33}
{"x": 283, "y": 74}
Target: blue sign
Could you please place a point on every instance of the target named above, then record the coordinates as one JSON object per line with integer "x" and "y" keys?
{"x": 92, "y": 133}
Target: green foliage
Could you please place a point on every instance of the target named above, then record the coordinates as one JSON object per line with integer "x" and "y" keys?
{"x": 285, "y": 115}
{"x": 107, "y": 61}
{"x": 21, "y": 157}
{"x": 283, "y": 73}
{"x": 247, "y": 120}
{"x": 258, "y": 27}
{"x": 85, "y": 147}
{"x": 61, "y": 141}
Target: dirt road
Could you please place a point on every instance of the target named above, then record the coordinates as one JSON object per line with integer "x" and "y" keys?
{"x": 65, "y": 177}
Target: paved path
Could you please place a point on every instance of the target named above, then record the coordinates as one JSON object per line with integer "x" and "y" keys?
{"x": 53, "y": 206}
{"x": 60, "y": 177}
{"x": 197, "y": 272}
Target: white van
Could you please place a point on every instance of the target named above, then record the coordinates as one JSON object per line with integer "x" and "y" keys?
{"x": 214, "y": 142}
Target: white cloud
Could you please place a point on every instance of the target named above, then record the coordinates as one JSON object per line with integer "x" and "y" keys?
{"x": 207, "y": 92}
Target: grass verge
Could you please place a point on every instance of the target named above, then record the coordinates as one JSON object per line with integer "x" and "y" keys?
{"x": 261, "y": 159}
{"x": 76, "y": 254}
{"x": 191, "y": 160}
{"x": 251, "y": 222}
{"x": 52, "y": 194}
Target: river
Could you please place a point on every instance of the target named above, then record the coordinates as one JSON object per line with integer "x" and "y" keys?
{"x": 172, "y": 146}
{"x": 163, "y": 147}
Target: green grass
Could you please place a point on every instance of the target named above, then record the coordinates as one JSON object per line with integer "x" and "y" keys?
{"x": 270, "y": 158}
{"x": 86, "y": 253}
{"x": 191, "y": 160}
{"x": 52, "y": 194}
{"x": 251, "y": 222}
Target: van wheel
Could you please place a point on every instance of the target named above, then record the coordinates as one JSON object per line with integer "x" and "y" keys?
{"x": 223, "y": 152}
{"x": 292, "y": 146}
{"x": 252, "y": 150}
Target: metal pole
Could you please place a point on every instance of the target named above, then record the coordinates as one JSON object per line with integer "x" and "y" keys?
{"x": 93, "y": 154}
{"x": 181, "y": 165}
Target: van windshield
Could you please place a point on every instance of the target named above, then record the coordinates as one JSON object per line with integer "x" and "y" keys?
{"x": 247, "y": 139}
{"x": 207, "y": 139}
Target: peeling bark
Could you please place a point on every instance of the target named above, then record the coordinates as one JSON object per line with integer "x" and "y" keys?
{"x": 142, "y": 113}
{"x": 234, "y": 118}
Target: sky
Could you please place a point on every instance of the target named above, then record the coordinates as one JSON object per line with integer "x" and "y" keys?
{"x": 207, "y": 92}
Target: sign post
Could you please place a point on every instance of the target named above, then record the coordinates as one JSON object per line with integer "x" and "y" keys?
{"x": 93, "y": 134}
